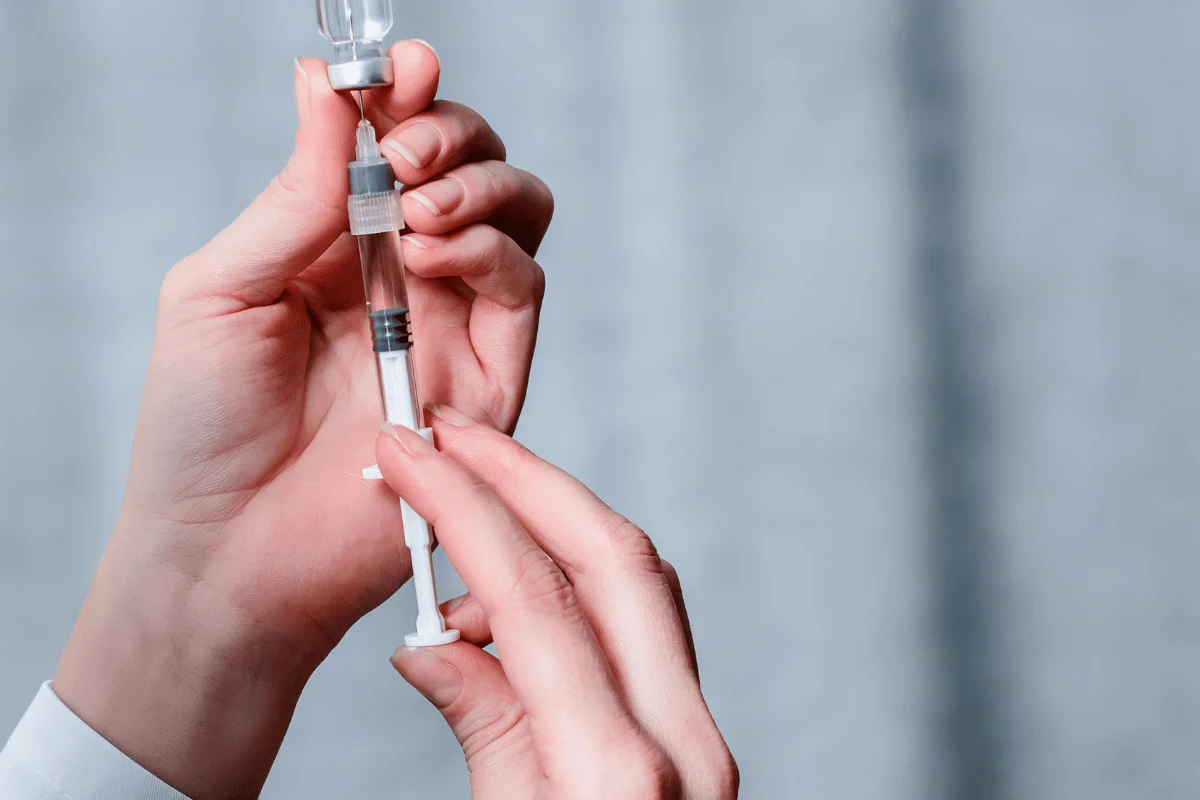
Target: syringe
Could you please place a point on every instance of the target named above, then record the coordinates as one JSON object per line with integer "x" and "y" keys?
{"x": 376, "y": 221}
{"x": 356, "y": 28}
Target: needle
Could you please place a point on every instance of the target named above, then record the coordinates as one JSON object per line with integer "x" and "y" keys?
{"x": 361, "y": 109}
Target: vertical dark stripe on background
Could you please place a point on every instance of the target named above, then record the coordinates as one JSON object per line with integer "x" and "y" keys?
{"x": 970, "y": 755}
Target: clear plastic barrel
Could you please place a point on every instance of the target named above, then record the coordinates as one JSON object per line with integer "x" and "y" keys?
{"x": 383, "y": 272}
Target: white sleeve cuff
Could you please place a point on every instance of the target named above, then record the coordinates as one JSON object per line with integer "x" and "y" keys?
{"x": 54, "y": 755}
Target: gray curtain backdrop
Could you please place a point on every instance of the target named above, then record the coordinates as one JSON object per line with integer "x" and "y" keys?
{"x": 877, "y": 315}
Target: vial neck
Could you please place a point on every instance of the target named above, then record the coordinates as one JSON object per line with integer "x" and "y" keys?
{"x": 356, "y": 51}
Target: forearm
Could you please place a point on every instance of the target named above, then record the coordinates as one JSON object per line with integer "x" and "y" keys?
{"x": 179, "y": 682}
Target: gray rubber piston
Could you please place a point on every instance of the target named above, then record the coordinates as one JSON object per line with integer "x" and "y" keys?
{"x": 391, "y": 330}
{"x": 371, "y": 177}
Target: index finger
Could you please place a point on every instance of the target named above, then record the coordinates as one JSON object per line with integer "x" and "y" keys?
{"x": 549, "y": 652}
{"x": 621, "y": 582}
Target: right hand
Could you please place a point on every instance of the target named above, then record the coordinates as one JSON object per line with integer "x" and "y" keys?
{"x": 598, "y": 693}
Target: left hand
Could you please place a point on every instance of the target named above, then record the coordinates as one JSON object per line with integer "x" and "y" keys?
{"x": 248, "y": 543}
{"x": 596, "y": 693}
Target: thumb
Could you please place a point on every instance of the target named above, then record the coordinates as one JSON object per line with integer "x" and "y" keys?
{"x": 469, "y": 688}
{"x": 299, "y": 215}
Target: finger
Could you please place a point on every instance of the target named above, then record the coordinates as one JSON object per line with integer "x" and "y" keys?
{"x": 443, "y": 137}
{"x": 620, "y": 582}
{"x": 417, "y": 73}
{"x": 466, "y": 616}
{"x": 486, "y": 260}
{"x": 512, "y": 200}
{"x": 503, "y": 329}
{"x": 677, "y": 595}
{"x": 551, "y": 656}
{"x": 469, "y": 688}
{"x": 299, "y": 215}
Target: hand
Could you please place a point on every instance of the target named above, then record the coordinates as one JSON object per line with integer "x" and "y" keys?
{"x": 248, "y": 543}
{"x": 597, "y": 693}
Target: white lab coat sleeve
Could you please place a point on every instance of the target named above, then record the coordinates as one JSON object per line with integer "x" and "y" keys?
{"x": 54, "y": 755}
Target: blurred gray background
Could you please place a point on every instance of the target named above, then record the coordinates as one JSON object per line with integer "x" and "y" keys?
{"x": 903, "y": 294}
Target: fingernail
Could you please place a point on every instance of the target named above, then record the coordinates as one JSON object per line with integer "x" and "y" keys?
{"x": 440, "y": 681}
{"x": 449, "y": 606}
{"x": 418, "y": 144}
{"x": 450, "y": 416}
{"x": 424, "y": 241}
{"x": 432, "y": 49}
{"x": 413, "y": 443}
{"x": 440, "y": 197}
{"x": 302, "y": 91}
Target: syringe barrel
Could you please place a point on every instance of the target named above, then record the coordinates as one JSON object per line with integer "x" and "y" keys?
{"x": 376, "y": 222}
{"x": 391, "y": 325}
{"x": 384, "y": 287}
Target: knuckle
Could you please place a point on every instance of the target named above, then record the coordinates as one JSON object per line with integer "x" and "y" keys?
{"x": 541, "y": 586}
{"x": 191, "y": 284}
{"x": 484, "y": 140}
{"x": 496, "y": 404}
{"x": 490, "y": 243}
{"x": 466, "y": 259}
{"x": 519, "y": 464}
{"x": 720, "y": 778}
{"x": 488, "y": 253}
{"x": 672, "y": 575}
{"x": 495, "y": 184}
{"x": 538, "y": 283}
{"x": 633, "y": 549}
{"x": 489, "y": 729}
{"x": 472, "y": 252}
{"x": 522, "y": 277}
{"x": 651, "y": 775}
{"x": 543, "y": 198}
{"x": 292, "y": 192}
{"x": 286, "y": 190}
{"x": 451, "y": 108}
{"x": 470, "y": 134}
{"x": 727, "y": 777}
{"x": 174, "y": 289}
{"x": 448, "y": 117}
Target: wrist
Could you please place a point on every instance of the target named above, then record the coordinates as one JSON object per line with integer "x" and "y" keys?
{"x": 179, "y": 680}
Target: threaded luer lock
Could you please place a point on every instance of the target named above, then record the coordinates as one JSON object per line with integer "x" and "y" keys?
{"x": 375, "y": 213}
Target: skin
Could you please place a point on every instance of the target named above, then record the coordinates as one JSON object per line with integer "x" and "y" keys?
{"x": 248, "y": 544}
{"x": 597, "y": 694}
